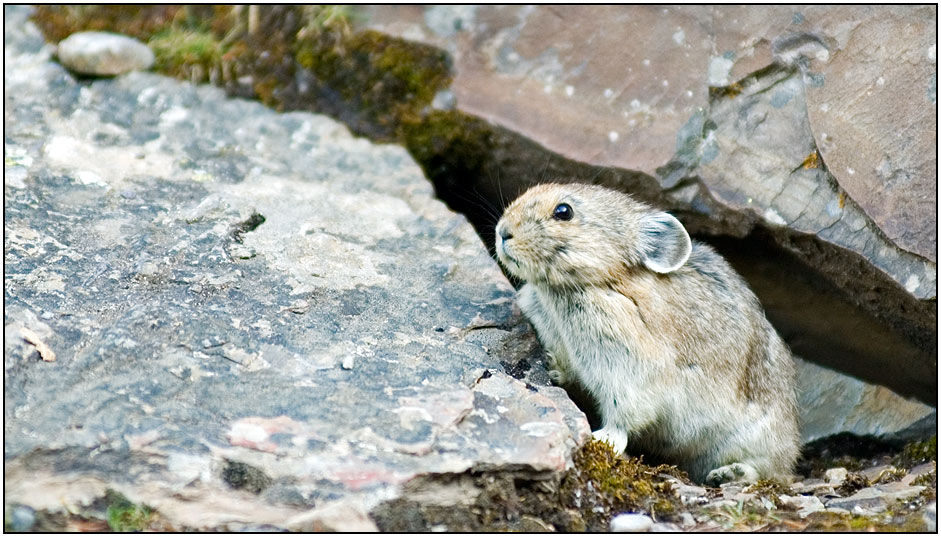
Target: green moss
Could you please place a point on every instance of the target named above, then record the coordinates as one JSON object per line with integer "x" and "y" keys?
{"x": 915, "y": 453}
{"x": 771, "y": 489}
{"x": 125, "y": 516}
{"x": 179, "y": 51}
{"x": 377, "y": 81}
{"x": 613, "y": 484}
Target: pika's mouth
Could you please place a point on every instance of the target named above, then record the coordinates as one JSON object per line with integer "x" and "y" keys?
{"x": 504, "y": 256}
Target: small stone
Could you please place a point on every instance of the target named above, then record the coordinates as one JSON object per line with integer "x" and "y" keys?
{"x": 690, "y": 494}
{"x": 875, "y": 473}
{"x": 104, "y": 54}
{"x": 918, "y": 471}
{"x": 731, "y": 489}
{"x": 348, "y": 362}
{"x": 836, "y": 476}
{"x": 444, "y": 100}
{"x": 804, "y": 505}
{"x": 531, "y": 524}
{"x": 868, "y": 499}
{"x": 22, "y": 518}
{"x": 631, "y": 523}
{"x": 811, "y": 486}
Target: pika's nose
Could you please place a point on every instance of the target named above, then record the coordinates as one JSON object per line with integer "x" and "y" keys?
{"x": 504, "y": 233}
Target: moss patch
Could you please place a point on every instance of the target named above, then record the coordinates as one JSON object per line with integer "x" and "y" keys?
{"x": 125, "y": 516}
{"x": 246, "y": 477}
{"x": 771, "y": 489}
{"x": 187, "y": 53}
{"x": 585, "y": 498}
{"x": 918, "y": 452}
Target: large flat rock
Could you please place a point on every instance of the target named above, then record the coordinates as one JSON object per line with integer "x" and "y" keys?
{"x": 256, "y": 319}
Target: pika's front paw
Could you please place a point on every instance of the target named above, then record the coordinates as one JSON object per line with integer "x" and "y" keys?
{"x": 558, "y": 377}
{"x": 737, "y": 471}
{"x": 614, "y": 437}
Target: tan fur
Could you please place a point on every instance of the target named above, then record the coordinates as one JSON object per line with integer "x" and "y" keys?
{"x": 662, "y": 332}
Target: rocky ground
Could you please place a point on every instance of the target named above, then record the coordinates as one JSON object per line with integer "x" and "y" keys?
{"x": 893, "y": 487}
{"x": 222, "y": 318}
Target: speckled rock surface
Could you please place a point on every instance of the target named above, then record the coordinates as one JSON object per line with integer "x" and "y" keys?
{"x": 257, "y": 319}
{"x": 810, "y": 130}
{"x": 831, "y": 403}
{"x": 104, "y": 54}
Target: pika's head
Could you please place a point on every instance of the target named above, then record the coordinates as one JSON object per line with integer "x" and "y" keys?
{"x": 576, "y": 235}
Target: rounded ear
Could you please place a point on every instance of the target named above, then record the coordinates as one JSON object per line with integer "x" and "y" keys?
{"x": 664, "y": 243}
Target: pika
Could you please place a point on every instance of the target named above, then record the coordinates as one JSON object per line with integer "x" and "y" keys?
{"x": 663, "y": 334}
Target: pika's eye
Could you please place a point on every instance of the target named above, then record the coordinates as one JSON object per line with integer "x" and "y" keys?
{"x": 563, "y": 211}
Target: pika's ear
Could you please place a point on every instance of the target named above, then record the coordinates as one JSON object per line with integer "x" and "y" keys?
{"x": 664, "y": 243}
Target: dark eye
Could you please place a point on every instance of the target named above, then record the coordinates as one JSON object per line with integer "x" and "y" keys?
{"x": 563, "y": 211}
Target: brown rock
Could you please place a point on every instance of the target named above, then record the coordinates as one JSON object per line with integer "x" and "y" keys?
{"x": 874, "y": 114}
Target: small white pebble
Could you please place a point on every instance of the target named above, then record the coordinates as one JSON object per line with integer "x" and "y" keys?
{"x": 613, "y": 136}
{"x": 646, "y": 62}
{"x": 608, "y": 92}
{"x": 835, "y": 476}
{"x": 666, "y": 83}
{"x": 569, "y": 91}
{"x": 631, "y": 523}
{"x": 912, "y": 283}
{"x": 348, "y": 362}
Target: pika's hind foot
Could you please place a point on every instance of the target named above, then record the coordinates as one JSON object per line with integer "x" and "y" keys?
{"x": 737, "y": 471}
{"x": 613, "y": 436}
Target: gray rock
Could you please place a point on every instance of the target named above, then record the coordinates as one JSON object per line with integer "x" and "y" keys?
{"x": 918, "y": 471}
{"x": 836, "y": 476}
{"x": 876, "y": 473}
{"x": 278, "y": 329}
{"x": 812, "y": 486}
{"x": 831, "y": 402}
{"x": 804, "y": 505}
{"x": 104, "y": 54}
{"x": 874, "y": 499}
{"x": 631, "y": 523}
{"x": 690, "y": 494}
